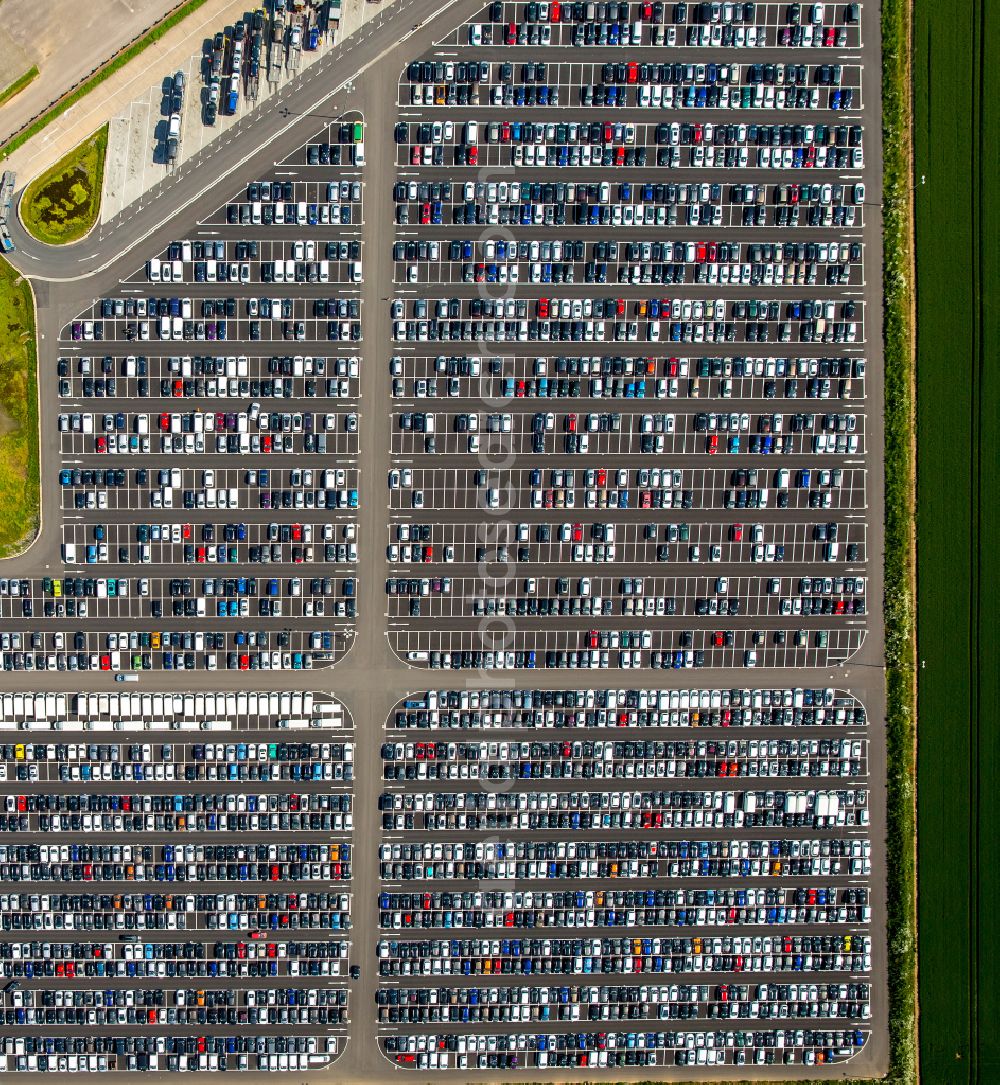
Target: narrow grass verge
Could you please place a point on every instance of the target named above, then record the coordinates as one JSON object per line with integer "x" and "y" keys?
{"x": 900, "y": 654}
{"x": 19, "y": 490}
{"x": 113, "y": 65}
{"x": 18, "y": 85}
{"x": 63, "y": 204}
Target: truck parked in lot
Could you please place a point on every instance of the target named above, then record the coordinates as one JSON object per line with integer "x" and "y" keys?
{"x": 233, "y": 94}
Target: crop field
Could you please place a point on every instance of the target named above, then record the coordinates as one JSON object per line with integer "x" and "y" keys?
{"x": 956, "y": 196}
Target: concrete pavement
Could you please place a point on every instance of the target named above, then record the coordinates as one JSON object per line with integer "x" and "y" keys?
{"x": 64, "y": 48}
{"x": 115, "y": 95}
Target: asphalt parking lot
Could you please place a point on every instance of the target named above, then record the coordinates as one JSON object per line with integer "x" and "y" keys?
{"x": 279, "y": 766}
{"x": 214, "y": 467}
{"x": 463, "y": 951}
{"x": 520, "y": 292}
{"x": 297, "y": 404}
{"x": 508, "y": 513}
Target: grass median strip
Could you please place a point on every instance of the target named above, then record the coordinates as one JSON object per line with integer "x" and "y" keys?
{"x": 18, "y": 413}
{"x": 18, "y": 85}
{"x": 900, "y": 495}
{"x": 115, "y": 64}
{"x": 63, "y": 204}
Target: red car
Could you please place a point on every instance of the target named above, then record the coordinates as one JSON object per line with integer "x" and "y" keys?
{"x": 543, "y": 308}
{"x": 713, "y": 443}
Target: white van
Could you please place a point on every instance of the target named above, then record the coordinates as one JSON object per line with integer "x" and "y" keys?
{"x": 153, "y": 271}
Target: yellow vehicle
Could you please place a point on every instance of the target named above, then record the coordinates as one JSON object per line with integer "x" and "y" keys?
{"x": 57, "y": 588}
{"x": 155, "y": 641}
{"x": 19, "y": 752}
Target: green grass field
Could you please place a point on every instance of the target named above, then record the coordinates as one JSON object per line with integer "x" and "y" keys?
{"x": 63, "y": 204}
{"x": 956, "y": 197}
{"x": 18, "y": 413}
